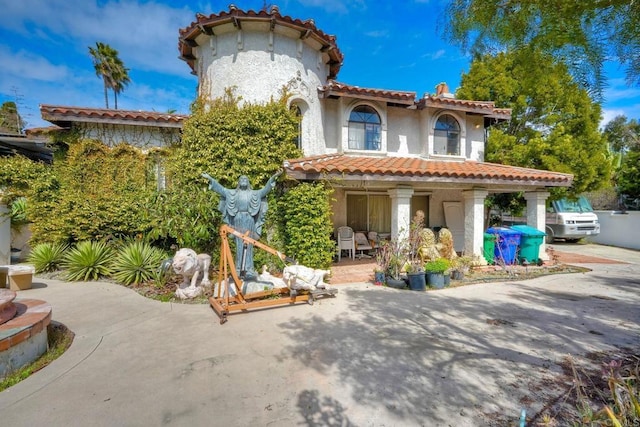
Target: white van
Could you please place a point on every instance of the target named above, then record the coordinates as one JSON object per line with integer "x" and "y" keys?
{"x": 571, "y": 220}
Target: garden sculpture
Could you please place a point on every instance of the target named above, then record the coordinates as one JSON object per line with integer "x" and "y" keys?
{"x": 191, "y": 265}
{"x": 428, "y": 249}
{"x": 445, "y": 242}
{"x": 244, "y": 209}
{"x": 299, "y": 277}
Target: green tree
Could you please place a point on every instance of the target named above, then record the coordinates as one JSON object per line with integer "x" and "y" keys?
{"x": 622, "y": 134}
{"x": 628, "y": 178}
{"x": 10, "y": 120}
{"x": 554, "y": 124}
{"x": 581, "y": 33}
{"x": 111, "y": 69}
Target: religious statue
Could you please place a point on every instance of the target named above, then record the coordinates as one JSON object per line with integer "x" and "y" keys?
{"x": 244, "y": 209}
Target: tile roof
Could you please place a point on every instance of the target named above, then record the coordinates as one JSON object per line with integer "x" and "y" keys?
{"x": 307, "y": 29}
{"x": 61, "y": 114}
{"x": 334, "y": 88}
{"x": 485, "y": 108}
{"x": 410, "y": 168}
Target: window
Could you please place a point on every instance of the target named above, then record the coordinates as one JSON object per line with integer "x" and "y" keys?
{"x": 364, "y": 129}
{"x": 295, "y": 109}
{"x": 369, "y": 212}
{"x": 446, "y": 136}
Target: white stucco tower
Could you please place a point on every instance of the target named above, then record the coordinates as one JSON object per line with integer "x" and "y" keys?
{"x": 259, "y": 54}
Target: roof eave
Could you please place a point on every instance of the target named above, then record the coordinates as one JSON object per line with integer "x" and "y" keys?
{"x": 350, "y": 176}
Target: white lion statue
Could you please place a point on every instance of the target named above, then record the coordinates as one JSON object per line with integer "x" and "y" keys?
{"x": 304, "y": 278}
{"x": 190, "y": 265}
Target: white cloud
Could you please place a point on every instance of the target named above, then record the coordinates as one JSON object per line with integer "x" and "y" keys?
{"x": 434, "y": 55}
{"x": 335, "y": 6}
{"x": 26, "y": 65}
{"x": 618, "y": 90}
{"x": 145, "y": 34}
{"x": 377, "y": 33}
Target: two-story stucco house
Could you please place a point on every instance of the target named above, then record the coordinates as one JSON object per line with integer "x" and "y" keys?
{"x": 387, "y": 153}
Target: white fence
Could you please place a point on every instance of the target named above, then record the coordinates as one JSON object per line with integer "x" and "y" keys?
{"x": 618, "y": 229}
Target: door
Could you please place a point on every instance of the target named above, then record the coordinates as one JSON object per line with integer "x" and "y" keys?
{"x": 454, "y": 217}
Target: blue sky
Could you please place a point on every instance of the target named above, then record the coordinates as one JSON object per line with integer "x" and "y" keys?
{"x": 386, "y": 44}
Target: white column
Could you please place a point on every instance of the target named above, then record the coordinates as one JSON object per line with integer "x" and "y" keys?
{"x": 400, "y": 211}
{"x": 474, "y": 222}
{"x": 536, "y": 216}
{"x": 5, "y": 235}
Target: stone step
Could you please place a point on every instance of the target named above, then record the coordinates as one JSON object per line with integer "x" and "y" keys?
{"x": 23, "y": 338}
{"x": 7, "y": 307}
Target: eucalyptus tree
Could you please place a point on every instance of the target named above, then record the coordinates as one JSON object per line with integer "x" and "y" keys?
{"x": 581, "y": 33}
{"x": 111, "y": 69}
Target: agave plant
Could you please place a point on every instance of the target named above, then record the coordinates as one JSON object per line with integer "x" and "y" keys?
{"x": 88, "y": 261}
{"x": 137, "y": 262}
{"x": 47, "y": 257}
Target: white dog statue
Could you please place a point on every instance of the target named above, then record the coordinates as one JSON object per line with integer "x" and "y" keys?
{"x": 190, "y": 265}
{"x": 304, "y": 278}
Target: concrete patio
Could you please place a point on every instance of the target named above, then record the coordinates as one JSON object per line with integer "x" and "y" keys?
{"x": 371, "y": 356}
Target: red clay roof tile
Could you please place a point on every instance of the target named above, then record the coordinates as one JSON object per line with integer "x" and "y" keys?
{"x": 336, "y": 88}
{"x": 445, "y": 171}
{"x": 204, "y": 25}
{"x": 61, "y": 113}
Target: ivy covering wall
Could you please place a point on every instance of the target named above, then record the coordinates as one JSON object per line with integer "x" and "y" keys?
{"x": 97, "y": 192}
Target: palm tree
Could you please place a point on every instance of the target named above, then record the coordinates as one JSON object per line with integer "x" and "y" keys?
{"x": 111, "y": 68}
{"x": 120, "y": 80}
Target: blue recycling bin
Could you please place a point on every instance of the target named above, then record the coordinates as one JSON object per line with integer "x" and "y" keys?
{"x": 507, "y": 242}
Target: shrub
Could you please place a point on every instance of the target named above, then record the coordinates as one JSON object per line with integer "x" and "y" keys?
{"x": 439, "y": 265}
{"x": 137, "y": 262}
{"x": 47, "y": 256}
{"x": 307, "y": 227}
{"x": 88, "y": 260}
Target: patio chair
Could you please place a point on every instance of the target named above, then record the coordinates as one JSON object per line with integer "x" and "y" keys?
{"x": 374, "y": 239}
{"x": 346, "y": 241}
{"x": 362, "y": 245}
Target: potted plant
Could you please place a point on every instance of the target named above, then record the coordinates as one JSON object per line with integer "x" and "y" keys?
{"x": 394, "y": 260}
{"x": 383, "y": 260}
{"x": 416, "y": 276}
{"x": 413, "y": 266}
{"x": 460, "y": 266}
{"x": 436, "y": 271}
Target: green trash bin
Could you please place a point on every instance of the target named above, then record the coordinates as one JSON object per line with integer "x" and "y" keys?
{"x": 530, "y": 243}
{"x": 489, "y": 247}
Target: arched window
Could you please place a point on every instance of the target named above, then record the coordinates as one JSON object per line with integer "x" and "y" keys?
{"x": 364, "y": 129}
{"x": 446, "y": 136}
{"x": 295, "y": 109}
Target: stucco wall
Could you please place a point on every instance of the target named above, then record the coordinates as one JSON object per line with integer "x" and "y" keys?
{"x": 262, "y": 64}
{"x": 475, "y": 138}
{"x": 403, "y": 132}
{"x": 139, "y": 136}
{"x": 436, "y": 209}
{"x": 339, "y": 208}
{"x": 332, "y": 124}
{"x": 617, "y": 229}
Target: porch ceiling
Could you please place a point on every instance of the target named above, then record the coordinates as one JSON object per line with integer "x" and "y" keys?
{"x": 420, "y": 170}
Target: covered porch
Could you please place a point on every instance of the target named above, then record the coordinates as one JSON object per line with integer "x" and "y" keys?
{"x": 383, "y": 193}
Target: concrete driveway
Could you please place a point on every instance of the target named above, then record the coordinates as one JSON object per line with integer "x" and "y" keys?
{"x": 372, "y": 356}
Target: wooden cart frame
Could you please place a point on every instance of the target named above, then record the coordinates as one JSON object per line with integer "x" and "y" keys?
{"x": 223, "y": 302}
